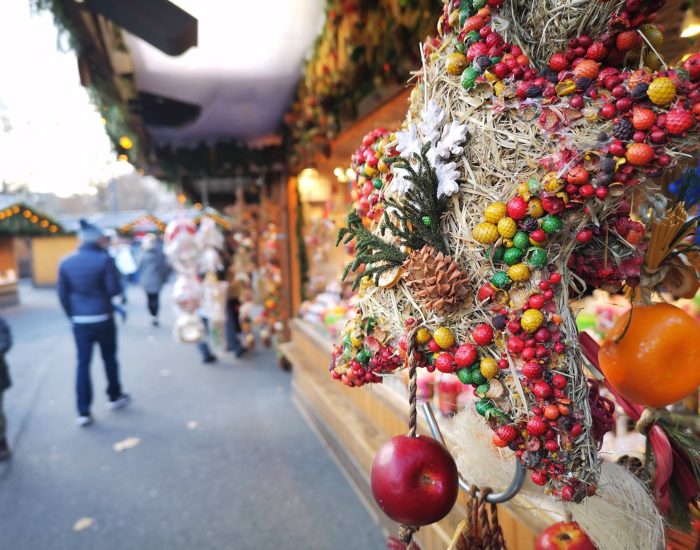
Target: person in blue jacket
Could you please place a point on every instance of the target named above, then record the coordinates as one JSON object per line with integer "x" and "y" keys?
{"x": 5, "y": 382}
{"x": 88, "y": 279}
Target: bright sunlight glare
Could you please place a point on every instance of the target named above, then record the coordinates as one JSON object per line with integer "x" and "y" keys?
{"x": 51, "y": 136}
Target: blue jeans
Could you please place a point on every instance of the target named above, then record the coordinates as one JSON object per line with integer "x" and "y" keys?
{"x": 233, "y": 326}
{"x": 86, "y": 336}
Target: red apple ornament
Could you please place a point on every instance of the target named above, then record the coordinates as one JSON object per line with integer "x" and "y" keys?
{"x": 414, "y": 480}
{"x": 565, "y": 535}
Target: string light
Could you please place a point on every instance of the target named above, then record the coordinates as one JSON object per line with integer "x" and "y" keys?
{"x": 30, "y": 216}
{"x": 125, "y": 142}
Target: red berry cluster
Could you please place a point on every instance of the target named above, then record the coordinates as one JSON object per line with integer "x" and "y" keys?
{"x": 371, "y": 166}
{"x": 593, "y": 263}
{"x": 536, "y": 348}
{"x": 363, "y": 355}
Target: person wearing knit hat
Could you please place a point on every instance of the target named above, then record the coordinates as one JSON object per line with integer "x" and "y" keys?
{"x": 88, "y": 279}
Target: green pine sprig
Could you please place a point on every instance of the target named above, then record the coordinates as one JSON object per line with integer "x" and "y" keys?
{"x": 419, "y": 211}
{"x": 377, "y": 255}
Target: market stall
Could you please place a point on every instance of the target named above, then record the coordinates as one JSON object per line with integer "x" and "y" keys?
{"x": 20, "y": 222}
{"x": 476, "y": 230}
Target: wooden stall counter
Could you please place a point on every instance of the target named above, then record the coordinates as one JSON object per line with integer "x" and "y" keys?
{"x": 356, "y": 423}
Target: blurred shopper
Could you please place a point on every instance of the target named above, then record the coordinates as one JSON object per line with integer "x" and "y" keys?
{"x": 126, "y": 264}
{"x": 153, "y": 272}
{"x": 88, "y": 279}
{"x": 5, "y": 382}
{"x": 233, "y": 306}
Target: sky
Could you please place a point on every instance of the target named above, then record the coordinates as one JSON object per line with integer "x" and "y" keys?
{"x": 56, "y": 142}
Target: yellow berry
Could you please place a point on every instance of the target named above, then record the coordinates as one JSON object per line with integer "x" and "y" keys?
{"x": 444, "y": 337}
{"x": 551, "y": 182}
{"x": 494, "y": 212}
{"x": 524, "y": 190}
{"x": 489, "y": 367}
{"x": 507, "y": 227}
{"x": 423, "y": 336}
{"x": 485, "y": 233}
{"x": 356, "y": 340}
{"x": 531, "y": 320}
{"x": 456, "y": 63}
{"x": 661, "y": 91}
{"x": 534, "y": 208}
{"x": 519, "y": 273}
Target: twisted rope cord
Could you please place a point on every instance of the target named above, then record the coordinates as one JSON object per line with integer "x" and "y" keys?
{"x": 412, "y": 381}
{"x": 406, "y": 532}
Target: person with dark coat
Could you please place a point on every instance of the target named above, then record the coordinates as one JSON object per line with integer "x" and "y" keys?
{"x": 88, "y": 279}
{"x": 5, "y": 382}
{"x": 153, "y": 272}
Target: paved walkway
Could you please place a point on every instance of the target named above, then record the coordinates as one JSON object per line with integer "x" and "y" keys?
{"x": 224, "y": 461}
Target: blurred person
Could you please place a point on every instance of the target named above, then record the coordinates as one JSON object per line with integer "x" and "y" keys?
{"x": 153, "y": 272}
{"x": 126, "y": 264}
{"x": 233, "y": 306}
{"x": 88, "y": 279}
{"x": 5, "y": 383}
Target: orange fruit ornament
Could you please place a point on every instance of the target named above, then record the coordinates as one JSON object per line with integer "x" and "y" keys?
{"x": 656, "y": 362}
{"x": 587, "y": 69}
{"x": 639, "y": 154}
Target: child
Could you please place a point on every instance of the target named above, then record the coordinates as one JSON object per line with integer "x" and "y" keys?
{"x": 5, "y": 345}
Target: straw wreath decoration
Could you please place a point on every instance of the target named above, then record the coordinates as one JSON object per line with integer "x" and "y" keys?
{"x": 535, "y": 131}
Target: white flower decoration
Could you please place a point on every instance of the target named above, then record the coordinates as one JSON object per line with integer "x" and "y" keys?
{"x": 447, "y": 175}
{"x": 399, "y": 184}
{"x": 450, "y": 143}
{"x": 433, "y": 119}
{"x": 408, "y": 143}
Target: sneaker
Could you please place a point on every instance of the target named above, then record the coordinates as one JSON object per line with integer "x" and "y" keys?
{"x": 84, "y": 420}
{"x": 241, "y": 352}
{"x": 210, "y": 359}
{"x": 120, "y": 402}
{"x": 155, "y": 322}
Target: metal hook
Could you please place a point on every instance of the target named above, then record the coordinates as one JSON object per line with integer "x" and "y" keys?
{"x": 493, "y": 498}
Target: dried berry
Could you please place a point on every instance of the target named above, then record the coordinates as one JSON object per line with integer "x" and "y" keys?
{"x": 623, "y": 129}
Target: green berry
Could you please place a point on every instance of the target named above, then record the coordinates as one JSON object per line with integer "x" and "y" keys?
{"x": 478, "y": 4}
{"x": 469, "y": 77}
{"x": 427, "y": 222}
{"x": 482, "y": 390}
{"x": 533, "y": 186}
{"x": 377, "y": 183}
{"x": 483, "y": 406}
{"x": 363, "y": 356}
{"x": 500, "y": 280}
{"x": 513, "y": 256}
{"x": 497, "y": 253}
{"x": 477, "y": 378}
{"x": 537, "y": 257}
{"x": 465, "y": 376}
{"x": 495, "y": 413}
{"x": 473, "y": 36}
{"x": 551, "y": 224}
{"x": 521, "y": 240}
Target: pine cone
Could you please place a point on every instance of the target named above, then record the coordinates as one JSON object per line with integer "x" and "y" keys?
{"x": 436, "y": 280}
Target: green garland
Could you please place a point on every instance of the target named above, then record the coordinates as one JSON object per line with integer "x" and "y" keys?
{"x": 418, "y": 213}
{"x": 420, "y": 210}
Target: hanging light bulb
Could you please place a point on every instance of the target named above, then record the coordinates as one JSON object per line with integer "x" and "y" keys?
{"x": 691, "y": 23}
{"x": 125, "y": 142}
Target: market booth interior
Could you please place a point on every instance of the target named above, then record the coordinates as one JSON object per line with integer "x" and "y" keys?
{"x": 452, "y": 243}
